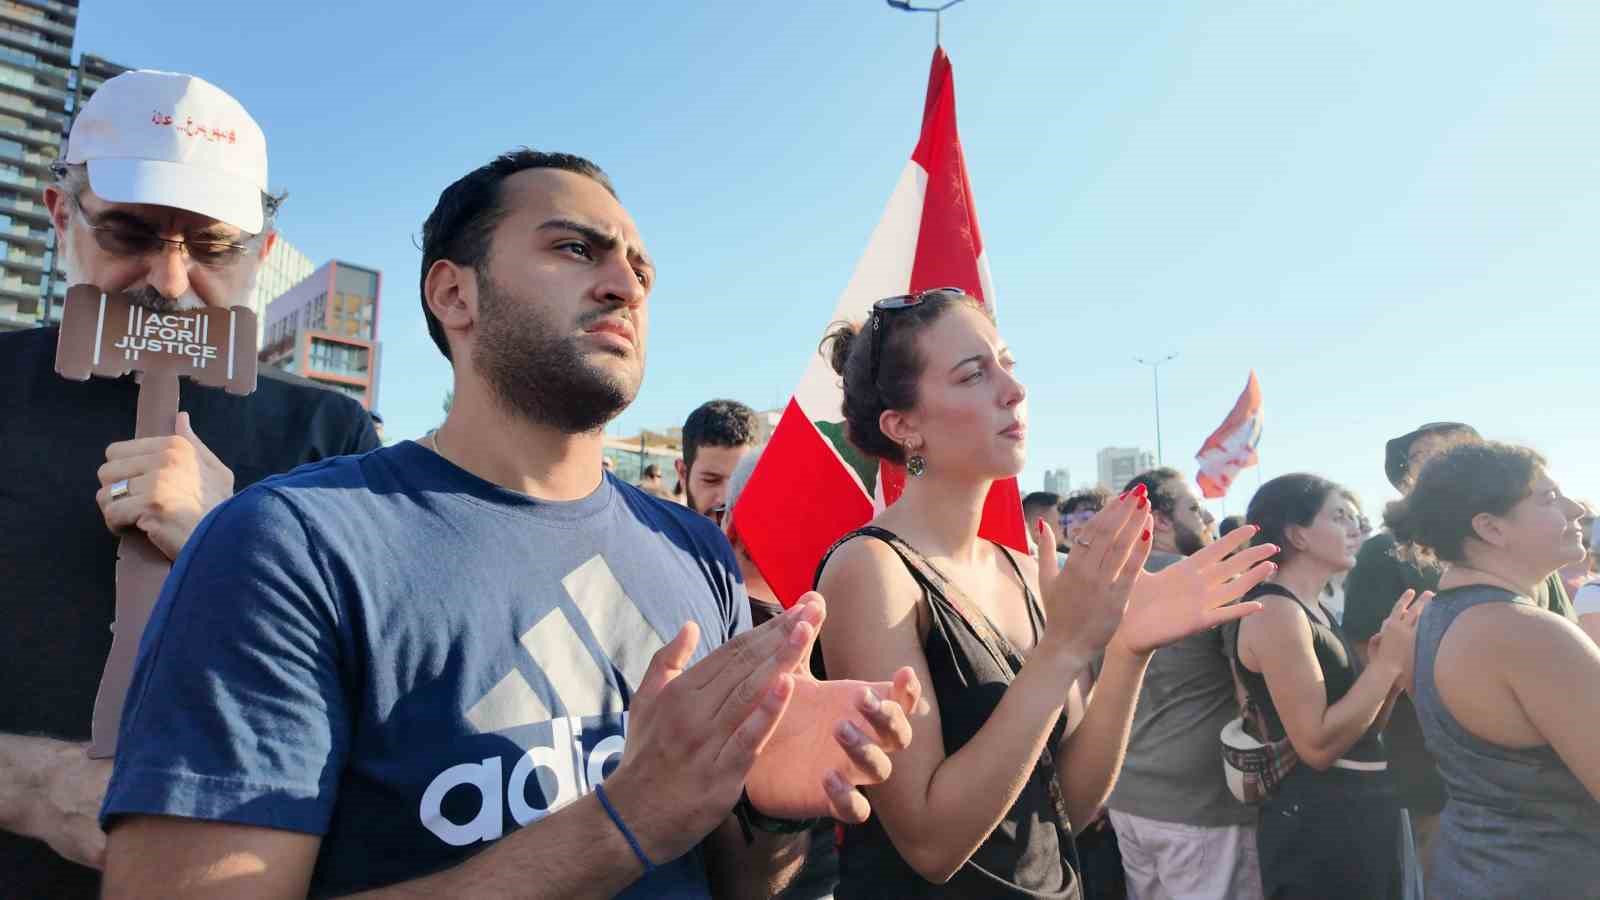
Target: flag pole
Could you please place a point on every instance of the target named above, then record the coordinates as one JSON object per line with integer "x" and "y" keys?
{"x": 938, "y": 13}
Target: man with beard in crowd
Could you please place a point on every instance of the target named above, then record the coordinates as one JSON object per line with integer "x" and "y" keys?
{"x": 433, "y": 654}
{"x": 716, "y": 436}
{"x": 180, "y": 222}
{"x": 1381, "y": 571}
{"x": 1181, "y": 832}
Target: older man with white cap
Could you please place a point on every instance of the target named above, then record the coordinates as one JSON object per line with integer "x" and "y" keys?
{"x": 162, "y": 194}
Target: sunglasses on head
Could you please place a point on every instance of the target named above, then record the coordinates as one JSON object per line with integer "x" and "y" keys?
{"x": 896, "y": 303}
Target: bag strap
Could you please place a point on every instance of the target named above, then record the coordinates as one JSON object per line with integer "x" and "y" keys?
{"x": 1250, "y": 711}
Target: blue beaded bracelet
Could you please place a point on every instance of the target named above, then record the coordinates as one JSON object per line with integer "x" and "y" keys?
{"x": 600, "y": 791}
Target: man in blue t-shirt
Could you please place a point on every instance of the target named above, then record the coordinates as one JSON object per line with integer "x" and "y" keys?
{"x": 362, "y": 674}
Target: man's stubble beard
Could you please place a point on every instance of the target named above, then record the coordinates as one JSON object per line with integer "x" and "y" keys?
{"x": 1187, "y": 540}
{"x": 539, "y": 374}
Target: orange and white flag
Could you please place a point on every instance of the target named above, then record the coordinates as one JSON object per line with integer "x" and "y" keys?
{"x": 1232, "y": 446}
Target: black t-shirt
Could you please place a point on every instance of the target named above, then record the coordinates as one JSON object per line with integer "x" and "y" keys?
{"x": 57, "y": 558}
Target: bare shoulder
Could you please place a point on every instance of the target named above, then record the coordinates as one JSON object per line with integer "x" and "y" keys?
{"x": 866, "y": 583}
{"x": 1515, "y": 637}
{"x": 1280, "y": 618}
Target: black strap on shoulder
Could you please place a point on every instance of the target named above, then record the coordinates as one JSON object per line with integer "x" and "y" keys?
{"x": 882, "y": 534}
{"x": 1035, "y": 604}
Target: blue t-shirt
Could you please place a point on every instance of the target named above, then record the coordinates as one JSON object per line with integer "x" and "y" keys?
{"x": 410, "y": 661}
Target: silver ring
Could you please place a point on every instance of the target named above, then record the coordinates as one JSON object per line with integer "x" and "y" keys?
{"x": 119, "y": 489}
{"x": 1081, "y": 542}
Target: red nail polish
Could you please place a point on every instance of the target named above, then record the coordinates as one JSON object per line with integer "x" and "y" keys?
{"x": 1141, "y": 490}
{"x": 1143, "y": 503}
{"x": 1146, "y": 536}
{"x": 1122, "y": 496}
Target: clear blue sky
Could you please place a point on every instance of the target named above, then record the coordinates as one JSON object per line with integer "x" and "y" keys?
{"x": 1388, "y": 210}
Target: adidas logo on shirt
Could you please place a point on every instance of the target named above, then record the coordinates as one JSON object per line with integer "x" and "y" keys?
{"x": 583, "y": 686}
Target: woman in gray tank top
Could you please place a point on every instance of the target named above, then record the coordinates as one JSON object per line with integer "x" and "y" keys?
{"x": 1521, "y": 760}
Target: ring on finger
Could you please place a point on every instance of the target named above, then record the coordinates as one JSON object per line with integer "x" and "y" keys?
{"x": 119, "y": 489}
{"x": 1081, "y": 541}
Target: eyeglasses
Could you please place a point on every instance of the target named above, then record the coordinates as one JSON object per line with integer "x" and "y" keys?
{"x": 896, "y": 303}
{"x": 1078, "y": 518}
{"x": 120, "y": 241}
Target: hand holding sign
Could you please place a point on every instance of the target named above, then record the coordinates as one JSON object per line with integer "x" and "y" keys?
{"x": 110, "y": 335}
{"x": 163, "y": 486}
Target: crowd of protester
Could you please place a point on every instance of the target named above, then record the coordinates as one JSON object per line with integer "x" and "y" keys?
{"x": 479, "y": 664}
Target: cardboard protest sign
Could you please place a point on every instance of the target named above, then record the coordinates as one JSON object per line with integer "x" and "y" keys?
{"x": 110, "y": 335}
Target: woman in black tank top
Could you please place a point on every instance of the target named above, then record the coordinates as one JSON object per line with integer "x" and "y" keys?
{"x": 1007, "y": 753}
{"x": 1332, "y": 827}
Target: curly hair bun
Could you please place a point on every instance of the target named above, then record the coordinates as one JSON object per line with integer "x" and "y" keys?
{"x": 841, "y": 336}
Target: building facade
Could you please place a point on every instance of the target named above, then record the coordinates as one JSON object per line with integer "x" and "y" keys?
{"x": 326, "y": 329}
{"x": 37, "y": 82}
{"x": 284, "y": 267}
{"x": 1058, "y": 481}
{"x": 1118, "y": 465}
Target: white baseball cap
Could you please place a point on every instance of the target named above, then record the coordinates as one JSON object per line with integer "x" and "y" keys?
{"x": 172, "y": 140}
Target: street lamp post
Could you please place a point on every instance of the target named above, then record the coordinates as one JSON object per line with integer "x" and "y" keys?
{"x": 1155, "y": 374}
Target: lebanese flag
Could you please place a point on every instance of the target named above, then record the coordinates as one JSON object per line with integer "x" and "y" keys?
{"x": 812, "y": 486}
{"x": 1232, "y": 446}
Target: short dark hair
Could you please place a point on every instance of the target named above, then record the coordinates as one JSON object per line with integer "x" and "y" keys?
{"x": 1435, "y": 519}
{"x": 1154, "y": 480}
{"x": 898, "y": 370}
{"x": 1092, "y": 499}
{"x": 1039, "y": 499}
{"x": 463, "y": 221}
{"x": 1289, "y": 500}
{"x": 1228, "y": 524}
{"x": 651, "y": 471}
{"x": 719, "y": 423}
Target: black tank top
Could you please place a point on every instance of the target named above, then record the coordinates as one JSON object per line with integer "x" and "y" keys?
{"x": 1031, "y": 852}
{"x": 1340, "y": 669}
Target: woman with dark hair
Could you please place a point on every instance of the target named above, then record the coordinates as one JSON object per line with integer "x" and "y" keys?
{"x": 1009, "y": 752}
{"x": 1521, "y": 761}
{"x": 1332, "y": 827}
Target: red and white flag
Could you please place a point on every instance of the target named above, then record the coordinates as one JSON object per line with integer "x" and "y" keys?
{"x": 1232, "y": 446}
{"x": 812, "y": 486}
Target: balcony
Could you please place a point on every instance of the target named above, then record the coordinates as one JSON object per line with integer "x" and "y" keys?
{"x": 29, "y": 62}
{"x": 41, "y": 116}
{"x": 14, "y": 287}
{"x": 41, "y": 23}
{"x": 63, "y": 9}
{"x": 31, "y": 41}
{"x": 28, "y": 209}
{"x": 26, "y": 183}
{"x": 17, "y": 232}
{"x": 54, "y": 98}
{"x": 40, "y": 161}
{"x": 16, "y": 258}
{"x": 13, "y": 127}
